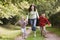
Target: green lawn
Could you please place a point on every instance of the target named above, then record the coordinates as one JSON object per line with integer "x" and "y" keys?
{"x": 38, "y": 37}
{"x": 54, "y": 30}
{"x": 7, "y": 34}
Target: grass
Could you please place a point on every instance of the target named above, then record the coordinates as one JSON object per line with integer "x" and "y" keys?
{"x": 38, "y": 37}
{"x": 11, "y": 27}
{"x": 54, "y": 30}
{"x": 10, "y": 34}
{"x": 7, "y": 34}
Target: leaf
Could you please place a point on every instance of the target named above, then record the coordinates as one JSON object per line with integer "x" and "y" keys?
{"x": 1, "y": 22}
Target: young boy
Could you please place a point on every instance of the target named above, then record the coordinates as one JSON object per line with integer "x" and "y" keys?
{"x": 23, "y": 22}
{"x": 42, "y": 22}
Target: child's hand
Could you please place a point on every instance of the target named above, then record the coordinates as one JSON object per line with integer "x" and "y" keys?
{"x": 27, "y": 22}
{"x": 49, "y": 25}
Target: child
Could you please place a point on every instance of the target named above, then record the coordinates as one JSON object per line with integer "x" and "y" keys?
{"x": 23, "y": 23}
{"x": 42, "y": 22}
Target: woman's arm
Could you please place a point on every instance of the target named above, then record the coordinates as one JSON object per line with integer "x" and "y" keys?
{"x": 37, "y": 15}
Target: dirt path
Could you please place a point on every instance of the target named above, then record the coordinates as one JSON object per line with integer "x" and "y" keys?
{"x": 20, "y": 37}
{"x": 52, "y": 36}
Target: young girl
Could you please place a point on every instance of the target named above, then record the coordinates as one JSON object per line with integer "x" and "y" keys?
{"x": 42, "y": 22}
{"x": 23, "y": 22}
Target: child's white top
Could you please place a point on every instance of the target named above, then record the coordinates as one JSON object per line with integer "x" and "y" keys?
{"x": 23, "y": 23}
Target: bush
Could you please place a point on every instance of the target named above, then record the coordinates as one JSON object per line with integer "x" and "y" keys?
{"x": 4, "y": 20}
{"x": 55, "y": 19}
{"x": 12, "y": 20}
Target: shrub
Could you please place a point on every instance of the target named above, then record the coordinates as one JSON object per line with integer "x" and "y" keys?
{"x": 55, "y": 19}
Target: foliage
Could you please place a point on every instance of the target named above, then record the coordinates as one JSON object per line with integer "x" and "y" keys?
{"x": 55, "y": 19}
{"x": 10, "y": 9}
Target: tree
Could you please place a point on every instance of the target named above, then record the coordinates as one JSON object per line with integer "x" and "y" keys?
{"x": 12, "y": 8}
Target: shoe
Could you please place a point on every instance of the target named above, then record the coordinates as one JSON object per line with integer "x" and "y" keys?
{"x": 34, "y": 35}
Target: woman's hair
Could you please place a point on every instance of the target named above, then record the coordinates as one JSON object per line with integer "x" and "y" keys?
{"x": 31, "y": 9}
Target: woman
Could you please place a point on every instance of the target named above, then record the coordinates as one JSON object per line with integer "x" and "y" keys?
{"x": 33, "y": 15}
